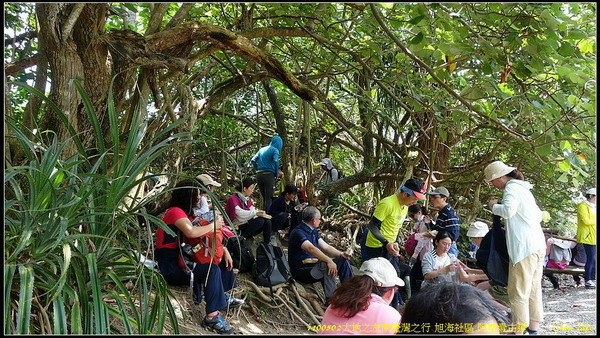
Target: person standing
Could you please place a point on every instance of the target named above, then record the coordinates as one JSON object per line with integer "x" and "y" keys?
{"x": 380, "y": 238}
{"x": 447, "y": 218}
{"x": 332, "y": 174}
{"x": 586, "y": 235}
{"x": 525, "y": 243}
{"x": 266, "y": 164}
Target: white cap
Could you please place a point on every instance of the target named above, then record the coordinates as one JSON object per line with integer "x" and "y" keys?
{"x": 382, "y": 272}
{"x": 477, "y": 229}
{"x": 496, "y": 169}
{"x": 206, "y": 180}
{"x": 591, "y": 191}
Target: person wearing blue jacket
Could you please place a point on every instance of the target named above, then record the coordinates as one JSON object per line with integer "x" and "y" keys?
{"x": 266, "y": 163}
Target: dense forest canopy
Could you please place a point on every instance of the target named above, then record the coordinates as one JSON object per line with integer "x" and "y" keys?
{"x": 389, "y": 91}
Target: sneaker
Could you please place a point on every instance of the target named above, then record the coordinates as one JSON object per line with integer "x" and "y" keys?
{"x": 233, "y": 302}
{"x": 217, "y": 324}
{"x": 590, "y": 285}
{"x": 530, "y": 332}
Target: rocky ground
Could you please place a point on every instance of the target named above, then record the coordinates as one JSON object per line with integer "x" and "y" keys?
{"x": 569, "y": 310}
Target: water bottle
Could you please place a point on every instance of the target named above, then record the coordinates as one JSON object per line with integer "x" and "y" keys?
{"x": 453, "y": 273}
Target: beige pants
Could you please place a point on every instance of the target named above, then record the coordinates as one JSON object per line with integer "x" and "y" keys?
{"x": 525, "y": 289}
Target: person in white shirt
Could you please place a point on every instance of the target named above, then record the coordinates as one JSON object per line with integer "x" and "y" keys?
{"x": 525, "y": 243}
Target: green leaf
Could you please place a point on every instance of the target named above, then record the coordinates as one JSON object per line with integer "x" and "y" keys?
{"x": 416, "y": 19}
{"x": 416, "y": 39}
{"x": 564, "y": 165}
{"x": 25, "y": 299}
{"x": 565, "y": 145}
{"x": 387, "y": 5}
{"x": 564, "y": 178}
{"x": 544, "y": 150}
{"x": 566, "y": 49}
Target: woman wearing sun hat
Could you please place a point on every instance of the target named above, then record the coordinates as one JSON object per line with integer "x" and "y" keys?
{"x": 361, "y": 304}
{"x": 525, "y": 243}
{"x": 586, "y": 235}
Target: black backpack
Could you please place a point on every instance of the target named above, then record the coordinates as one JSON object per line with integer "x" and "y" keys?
{"x": 271, "y": 266}
{"x": 240, "y": 253}
{"x": 492, "y": 255}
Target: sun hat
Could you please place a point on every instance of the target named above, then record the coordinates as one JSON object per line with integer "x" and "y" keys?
{"x": 496, "y": 169}
{"x": 382, "y": 272}
{"x": 591, "y": 191}
{"x": 413, "y": 187}
{"x": 439, "y": 191}
{"x": 477, "y": 229}
{"x": 207, "y": 180}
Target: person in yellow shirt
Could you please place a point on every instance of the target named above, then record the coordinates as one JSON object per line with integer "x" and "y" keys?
{"x": 380, "y": 238}
{"x": 586, "y": 235}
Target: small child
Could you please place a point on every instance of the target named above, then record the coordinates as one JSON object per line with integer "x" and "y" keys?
{"x": 421, "y": 230}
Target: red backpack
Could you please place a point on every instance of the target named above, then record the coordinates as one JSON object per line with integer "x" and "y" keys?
{"x": 204, "y": 249}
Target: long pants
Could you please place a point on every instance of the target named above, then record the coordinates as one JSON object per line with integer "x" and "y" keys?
{"x": 266, "y": 185}
{"x": 402, "y": 270}
{"x": 317, "y": 272}
{"x": 255, "y": 226}
{"x": 284, "y": 220}
{"x": 525, "y": 289}
{"x": 590, "y": 263}
{"x": 213, "y": 289}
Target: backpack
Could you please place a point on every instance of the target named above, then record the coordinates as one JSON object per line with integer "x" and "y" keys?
{"x": 492, "y": 256}
{"x": 271, "y": 266}
{"x": 410, "y": 244}
{"x": 203, "y": 250}
{"x": 240, "y": 253}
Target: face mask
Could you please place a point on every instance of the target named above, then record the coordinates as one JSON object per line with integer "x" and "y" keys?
{"x": 420, "y": 218}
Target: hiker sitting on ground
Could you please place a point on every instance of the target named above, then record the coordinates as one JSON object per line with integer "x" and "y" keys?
{"x": 206, "y": 277}
{"x": 310, "y": 256}
{"x": 285, "y": 210}
{"x": 361, "y": 304}
{"x": 241, "y": 211}
{"x": 204, "y": 208}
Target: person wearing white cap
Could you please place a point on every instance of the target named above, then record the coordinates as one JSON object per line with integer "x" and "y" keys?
{"x": 586, "y": 235}
{"x": 203, "y": 210}
{"x": 476, "y": 232}
{"x": 361, "y": 304}
{"x": 524, "y": 240}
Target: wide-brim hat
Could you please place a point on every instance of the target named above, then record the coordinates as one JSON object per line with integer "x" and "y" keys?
{"x": 382, "y": 272}
{"x": 496, "y": 169}
{"x": 207, "y": 180}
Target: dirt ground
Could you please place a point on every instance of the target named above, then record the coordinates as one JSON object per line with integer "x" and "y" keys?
{"x": 568, "y": 311}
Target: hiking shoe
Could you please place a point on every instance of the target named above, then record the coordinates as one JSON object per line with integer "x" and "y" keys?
{"x": 233, "y": 302}
{"x": 590, "y": 285}
{"x": 217, "y": 324}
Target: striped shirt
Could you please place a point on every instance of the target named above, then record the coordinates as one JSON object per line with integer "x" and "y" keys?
{"x": 448, "y": 220}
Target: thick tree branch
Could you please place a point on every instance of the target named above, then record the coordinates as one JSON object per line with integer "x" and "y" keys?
{"x": 12, "y": 68}
{"x": 70, "y": 23}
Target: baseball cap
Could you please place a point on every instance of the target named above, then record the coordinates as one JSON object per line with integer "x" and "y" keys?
{"x": 439, "y": 191}
{"x": 477, "y": 229}
{"x": 496, "y": 169}
{"x": 414, "y": 187}
{"x": 591, "y": 191}
{"x": 382, "y": 272}
{"x": 207, "y": 180}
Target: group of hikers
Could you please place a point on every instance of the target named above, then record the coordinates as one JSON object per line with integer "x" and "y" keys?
{"x": 435, "y": 287}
